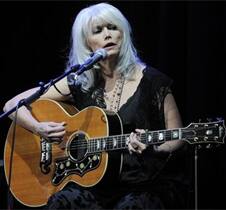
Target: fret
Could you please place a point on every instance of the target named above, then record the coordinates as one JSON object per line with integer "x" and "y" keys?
{"x": 94, "y": 147}
{"x": 155, "y": 137}
{"x": 123, "y": 143}
{"x": 90, "y": 146}
{"x": 109, "y": 143}
{"x": 101, "y": 144}
{"x": 120, "y": 141}
{"x": 168, "y": 134}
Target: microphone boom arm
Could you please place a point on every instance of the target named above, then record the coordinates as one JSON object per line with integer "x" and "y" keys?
{"x": 42, "y": 89}
{"x": 79, "y": 69}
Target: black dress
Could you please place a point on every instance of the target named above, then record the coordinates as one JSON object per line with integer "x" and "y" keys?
{"x": 146, "y": 181}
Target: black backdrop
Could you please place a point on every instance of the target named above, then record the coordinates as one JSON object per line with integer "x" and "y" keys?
{"x": 183, "y": 39}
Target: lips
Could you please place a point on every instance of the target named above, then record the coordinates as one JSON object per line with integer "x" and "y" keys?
{"x": 110, "y": 44}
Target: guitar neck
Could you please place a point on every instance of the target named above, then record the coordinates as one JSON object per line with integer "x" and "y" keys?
{"x": 119, "y": 142}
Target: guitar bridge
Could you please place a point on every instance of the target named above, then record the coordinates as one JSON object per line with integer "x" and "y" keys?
{"x": 46, "y": 156}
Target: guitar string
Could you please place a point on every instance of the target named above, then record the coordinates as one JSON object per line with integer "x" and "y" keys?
{"x": 143, "y": 137}
{"x": 111, "y": 139}
{"x": 109, "y": 144}
{"x": 93, "y": 148}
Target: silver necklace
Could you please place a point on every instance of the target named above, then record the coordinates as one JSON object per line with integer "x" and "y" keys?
{"x": 114, "y": 97}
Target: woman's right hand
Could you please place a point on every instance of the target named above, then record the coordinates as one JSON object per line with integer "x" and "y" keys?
{"x": 51, "y": 131}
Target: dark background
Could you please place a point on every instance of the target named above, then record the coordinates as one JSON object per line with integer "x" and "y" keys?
{"x": 184, "y": 39}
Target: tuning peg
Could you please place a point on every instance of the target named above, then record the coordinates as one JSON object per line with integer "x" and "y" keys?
{"x": 210, "y": 119}
{"x": 217, "y": 145}
{"x": 219, "y": 118}
{"x": 198, "y": 146}
{"x": 200, "y": 120}
{"x": 208, "y": 146}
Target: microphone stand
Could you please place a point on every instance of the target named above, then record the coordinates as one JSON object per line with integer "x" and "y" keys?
{"x": 26, "y": 101}
{"x": 196, "y": 177}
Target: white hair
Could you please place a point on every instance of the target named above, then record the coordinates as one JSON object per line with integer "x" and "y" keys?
{"x": 80, "y": 51}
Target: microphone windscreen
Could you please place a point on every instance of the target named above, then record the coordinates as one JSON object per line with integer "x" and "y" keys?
{"x": 102, "y": 52}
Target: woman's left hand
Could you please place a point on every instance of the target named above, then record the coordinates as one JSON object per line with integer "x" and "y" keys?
{"x": 134, "y": 142}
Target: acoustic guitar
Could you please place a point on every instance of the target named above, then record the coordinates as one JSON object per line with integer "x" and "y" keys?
{"x": 40, "y": 168}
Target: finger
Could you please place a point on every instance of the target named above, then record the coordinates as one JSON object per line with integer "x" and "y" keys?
{"x": 57, "y": 134}
{"x": 54, "y": 140}
{"x": 136, "y": 149}
{"x": 55, "y": 129}
{"x": 140, "y": 130}
{"x": 140, "y": 145}
{"x": 134, "y": 143}
{"x": 132, "y": 138}
{"x": 131, "y": 149}
{"x": 137, "y": 145}
{"x": 55, "y": 124}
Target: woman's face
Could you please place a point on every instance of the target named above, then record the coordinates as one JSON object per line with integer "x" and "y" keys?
{"x": 106, "y": 36}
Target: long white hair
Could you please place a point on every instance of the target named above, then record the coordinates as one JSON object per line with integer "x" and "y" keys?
{"x": 80, "y": 51}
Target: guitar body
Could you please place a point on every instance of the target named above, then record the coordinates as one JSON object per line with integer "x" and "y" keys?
{"x": 39, "y": 169}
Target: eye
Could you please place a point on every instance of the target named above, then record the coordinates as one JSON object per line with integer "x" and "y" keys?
{"x": 97, "y": 30}
{"x": 112, "y": 27}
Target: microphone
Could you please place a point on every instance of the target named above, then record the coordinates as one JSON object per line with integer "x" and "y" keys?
{"x": 96, "y": 56}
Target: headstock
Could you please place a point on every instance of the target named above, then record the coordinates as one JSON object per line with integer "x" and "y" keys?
{"x": 205, "y": 133}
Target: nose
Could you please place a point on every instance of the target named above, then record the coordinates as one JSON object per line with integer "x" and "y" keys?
{"x": 107, "y": 33}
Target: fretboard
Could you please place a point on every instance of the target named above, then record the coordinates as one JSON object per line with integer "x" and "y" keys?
{"x": 119, "y": 142}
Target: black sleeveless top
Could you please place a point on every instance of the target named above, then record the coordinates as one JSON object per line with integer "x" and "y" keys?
{"x": 144, "y": 110}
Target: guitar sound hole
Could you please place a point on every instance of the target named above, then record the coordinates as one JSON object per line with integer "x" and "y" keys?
{"x": 78, "y": 147}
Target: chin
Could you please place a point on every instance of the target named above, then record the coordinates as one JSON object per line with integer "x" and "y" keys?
{"x": 112, "y": 52}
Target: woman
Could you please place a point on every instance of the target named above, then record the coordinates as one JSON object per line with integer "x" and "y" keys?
{"x": 141, "y": 96}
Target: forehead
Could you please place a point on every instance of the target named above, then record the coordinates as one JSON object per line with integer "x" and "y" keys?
{"x": 98, "y": 22}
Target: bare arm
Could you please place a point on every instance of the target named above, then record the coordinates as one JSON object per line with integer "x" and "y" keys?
{"x": 24, "y": 117}
{"x": 172, "y": 120}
